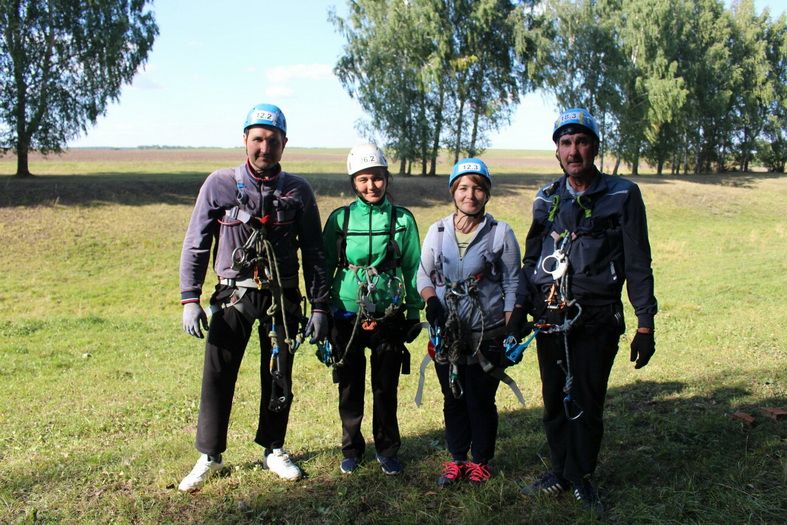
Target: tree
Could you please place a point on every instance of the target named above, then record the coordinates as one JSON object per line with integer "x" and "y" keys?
{"x": 386, "y": 66}
{"x": 772, "y": 147}
{"x": 61, "y": 62}
{"x": 583, "y": 65}
{"x": 753, "y": 91}
{"x": 430, "y": 72}
{"x": 483, "y": 70}
{"x": 652, "y": 35}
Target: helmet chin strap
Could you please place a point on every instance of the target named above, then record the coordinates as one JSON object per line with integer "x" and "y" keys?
{"x": 479, "y": 213}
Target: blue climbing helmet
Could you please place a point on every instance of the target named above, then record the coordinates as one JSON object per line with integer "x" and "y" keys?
{"x": 573, "y": 118}
{"x": 469, "y": 165}
{"x": 265, "y": 115}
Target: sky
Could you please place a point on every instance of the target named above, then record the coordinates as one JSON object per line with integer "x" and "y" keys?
{"x": 210, "y": 64}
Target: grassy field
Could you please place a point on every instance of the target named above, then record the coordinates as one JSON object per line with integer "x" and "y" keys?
{"x": 101, "y": 386}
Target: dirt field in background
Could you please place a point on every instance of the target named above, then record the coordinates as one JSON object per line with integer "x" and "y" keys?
{"x": 498, "y": 160}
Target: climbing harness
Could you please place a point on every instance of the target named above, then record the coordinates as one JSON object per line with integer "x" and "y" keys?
{"x": 371, "y": 282}
{"x": 559, "y": 300}
{"x": 451, "y": 344}
{"x": 257, "y": 257}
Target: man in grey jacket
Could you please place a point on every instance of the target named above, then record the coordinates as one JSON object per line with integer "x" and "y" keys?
{"x": 253, "y": 218}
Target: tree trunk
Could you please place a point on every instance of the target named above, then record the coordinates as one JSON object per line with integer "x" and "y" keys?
{"x": 474, "y": 134}
{"x": 459, "y": 119}
{"x": 437, "y": 131}
{"x": 635, "y": 163}
{"x": 22, "y": 166}
{"x": 617, "y": 165}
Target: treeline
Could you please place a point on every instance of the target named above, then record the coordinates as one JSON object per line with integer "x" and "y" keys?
{"x": 684, "y": 85}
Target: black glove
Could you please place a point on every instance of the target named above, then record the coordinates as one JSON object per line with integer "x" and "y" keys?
{"x": 643, "y": 346}
{"x": 435, "y": 313}
{"x": 518, "y": 325}
{"x": 410, "y": 329}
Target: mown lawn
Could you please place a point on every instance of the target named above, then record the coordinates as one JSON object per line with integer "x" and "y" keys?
{"x": 101, "y": 386}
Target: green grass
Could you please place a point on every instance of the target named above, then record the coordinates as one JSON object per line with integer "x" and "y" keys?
{"x": 101, "y": 387}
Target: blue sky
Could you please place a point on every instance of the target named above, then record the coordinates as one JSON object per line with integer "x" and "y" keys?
{"x": 210, "y": 64}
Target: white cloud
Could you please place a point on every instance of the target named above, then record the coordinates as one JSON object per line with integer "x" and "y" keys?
{"x": 279, "y": 80}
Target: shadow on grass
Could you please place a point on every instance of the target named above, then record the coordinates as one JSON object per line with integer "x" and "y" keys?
{"x": 179, "y": 188}
{"x": 182, "y": 188}
{"x": 731, "y": 179}
{"x": 667, "y": 458}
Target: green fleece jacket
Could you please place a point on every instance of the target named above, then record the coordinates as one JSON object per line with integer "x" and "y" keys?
{"x": 367, "y": 244}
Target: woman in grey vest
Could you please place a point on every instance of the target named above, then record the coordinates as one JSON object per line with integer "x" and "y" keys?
{"x": 468, "y": 276}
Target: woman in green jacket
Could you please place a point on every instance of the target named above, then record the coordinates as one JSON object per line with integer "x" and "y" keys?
{"x": 372, "y": 252}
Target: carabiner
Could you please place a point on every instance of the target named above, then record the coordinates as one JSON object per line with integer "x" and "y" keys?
{"x": 568, "y": 402}
{"x": 325, "y": 352}
{"x": 560, "y": 264}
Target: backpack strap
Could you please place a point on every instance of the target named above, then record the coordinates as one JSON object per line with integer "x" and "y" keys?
{"x": 496, "y": 234}
{"x": 393, "y": 255}
{"x": 341, "y": 240}
{"x": 239, "y": 212}
{"x": 438, "y": 277}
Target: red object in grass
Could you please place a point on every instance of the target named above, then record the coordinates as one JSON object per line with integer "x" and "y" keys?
{"x": 743, "y": 417}
{"x": 777, "y": 414}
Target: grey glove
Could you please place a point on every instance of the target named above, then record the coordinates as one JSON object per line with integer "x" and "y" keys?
{"x": 194, "y": 320}
{"x": 317, "y": 327}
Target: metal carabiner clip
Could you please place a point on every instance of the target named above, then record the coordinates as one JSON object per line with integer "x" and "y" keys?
{"x": 325, "y": 352}
{"x": 568, "y": 403}
{"x": 559, "y": 267}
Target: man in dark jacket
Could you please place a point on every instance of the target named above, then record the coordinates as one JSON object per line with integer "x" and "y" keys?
{"x": 588, "y": 235}
{"x": 253, "y": 218}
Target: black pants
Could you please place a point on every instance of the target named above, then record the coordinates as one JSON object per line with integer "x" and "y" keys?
{"x": 471, "y": 421}
{"x": 228, "y": 336}
{"x": 387, "y": 351}
{"x": 574, "y": 442}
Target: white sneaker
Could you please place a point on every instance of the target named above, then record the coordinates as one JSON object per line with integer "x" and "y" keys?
{"x": 203, "y": 470}
{"x": 279, "y": 463}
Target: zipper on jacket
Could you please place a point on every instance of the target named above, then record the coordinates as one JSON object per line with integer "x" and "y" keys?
{"x": 369, "y": 257}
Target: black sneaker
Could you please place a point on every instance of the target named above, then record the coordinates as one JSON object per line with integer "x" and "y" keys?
{"x": 550, "y": 483}
{"x": 389, "y": 465}
{"x": 348, "y": 465}
{"x": 587, "y": 496}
